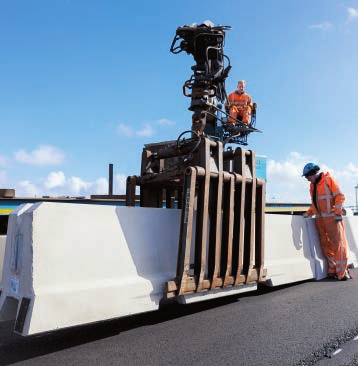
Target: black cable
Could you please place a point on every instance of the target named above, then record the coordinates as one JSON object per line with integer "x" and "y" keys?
{"x": 184, "y": 157}
{"x": 192, "y": 150}
{"x": 227, "y": 59}
{"x": 230, "y": 138}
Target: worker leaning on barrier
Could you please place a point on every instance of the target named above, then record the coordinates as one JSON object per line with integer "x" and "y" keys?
{"x": 239, "y": 104}
{"x": 327, "y": 205}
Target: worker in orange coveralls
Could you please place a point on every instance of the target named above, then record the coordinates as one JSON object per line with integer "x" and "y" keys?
{"x": 327, "y": 205}
{"x": 239, "y": 104}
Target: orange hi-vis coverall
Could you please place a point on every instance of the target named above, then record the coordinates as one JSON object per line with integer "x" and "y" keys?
{"x": 240, "y": 105}
{"x": 327, "y": 201}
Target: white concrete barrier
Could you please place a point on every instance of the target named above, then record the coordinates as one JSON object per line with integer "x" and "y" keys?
{"x": 293, "y": 250}
{"x": 9, "y": 305}
{"x": 84, "y": 263}
{"x": 351, "y": 228}
{"x": 2, "y": 253}
{"x": 70, "y": 264}
{"x": 288, "y": 255}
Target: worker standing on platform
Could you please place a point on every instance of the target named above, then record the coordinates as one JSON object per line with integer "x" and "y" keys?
{"x": 239, "y": 104}
{"x": 327, "y": 204}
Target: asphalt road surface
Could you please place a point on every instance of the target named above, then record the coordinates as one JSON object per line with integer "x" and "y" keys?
{"x": 308, "y": 323}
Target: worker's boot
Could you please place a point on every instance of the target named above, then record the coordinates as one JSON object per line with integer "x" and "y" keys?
{"x": 346, "y": 276}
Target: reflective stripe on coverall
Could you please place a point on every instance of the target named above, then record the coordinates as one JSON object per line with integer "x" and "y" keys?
{"x": 240, "y": 105}
{"x": 329, "y": 200}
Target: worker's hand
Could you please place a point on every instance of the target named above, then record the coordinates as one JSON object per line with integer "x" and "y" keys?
{"x": 338, "y": 218}
{"x": 306, "y": 215}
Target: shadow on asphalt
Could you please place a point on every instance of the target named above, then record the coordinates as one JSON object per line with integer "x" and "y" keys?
{"x": 15, "y": 348}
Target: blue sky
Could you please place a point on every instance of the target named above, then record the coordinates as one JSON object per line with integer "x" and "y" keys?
{"x": 85, "y": 83}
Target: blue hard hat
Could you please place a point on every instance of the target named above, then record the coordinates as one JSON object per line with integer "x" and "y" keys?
{"x": 310, "y": 167}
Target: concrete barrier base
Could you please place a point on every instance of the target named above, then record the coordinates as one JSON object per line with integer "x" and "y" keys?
{"x": 214, "y": 294}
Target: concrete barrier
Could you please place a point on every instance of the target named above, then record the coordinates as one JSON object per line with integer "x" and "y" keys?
{"x": 293, "y": 250}
{"x": 73, "y": 264}
{"x": 2, "y": 253}
{"x": 288, "y": 255}
{"x": 351, "y": 227}
{"x": 9, "y": 305}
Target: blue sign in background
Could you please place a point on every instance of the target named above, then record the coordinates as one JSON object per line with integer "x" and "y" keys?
{"x": 261, "y": 167}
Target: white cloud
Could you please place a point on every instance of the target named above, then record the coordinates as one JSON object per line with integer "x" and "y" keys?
{"x": 55, "y": 179}
{"x": 120, "y": 183}
{"x": 27, "y": 189}
{"x": 78, "y": 187}
{"x": 165, "y": 122}
{"x": 347, "y": 177}
{"x": 285, "y": 183}
{"x": 56, "y": 185}
{"x": 100, "y": 186}
{"x": 146, "y": 131}
{"x": 325, "y": 26}
{"x": 352, "y": 14}
{"x": 127, "y": 131}
{"x": 44, "y": 155}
